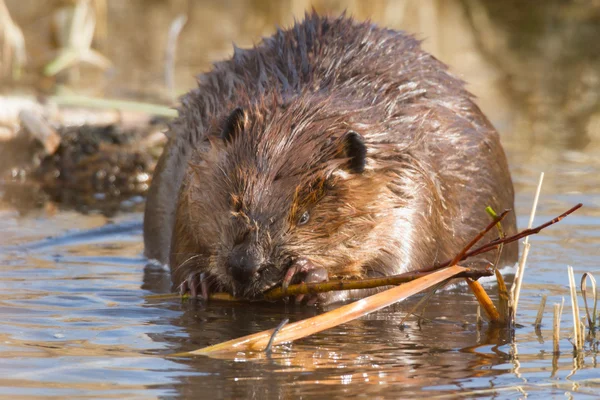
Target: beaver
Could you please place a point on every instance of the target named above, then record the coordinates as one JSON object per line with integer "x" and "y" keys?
{"x": 332, "y": 149}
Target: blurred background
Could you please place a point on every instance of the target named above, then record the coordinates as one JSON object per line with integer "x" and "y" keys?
{"x": 534, "y": 67}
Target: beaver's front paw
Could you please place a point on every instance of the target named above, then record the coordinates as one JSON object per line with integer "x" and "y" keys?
{"x": 196, "y": 283}
{"x": 304, "y": 271}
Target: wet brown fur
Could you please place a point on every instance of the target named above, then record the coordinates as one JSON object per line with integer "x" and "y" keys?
{"x": 434, "y": 162}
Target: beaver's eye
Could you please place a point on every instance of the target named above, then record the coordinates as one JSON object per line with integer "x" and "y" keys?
{"x": 304, "y": 218}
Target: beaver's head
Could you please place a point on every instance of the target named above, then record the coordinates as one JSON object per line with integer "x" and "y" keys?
{"x": 275, "y": 183}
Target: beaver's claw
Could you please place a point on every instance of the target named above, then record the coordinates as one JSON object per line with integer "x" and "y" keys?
{"x": 308, "y": 273}
{"x": 195, "y": 281}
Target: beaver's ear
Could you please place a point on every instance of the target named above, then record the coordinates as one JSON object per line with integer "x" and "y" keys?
{"x": 233, "y": 125}
{"x": 356, "y": 150}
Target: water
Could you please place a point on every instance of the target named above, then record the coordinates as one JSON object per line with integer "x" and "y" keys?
{"x": 75, "y": 321}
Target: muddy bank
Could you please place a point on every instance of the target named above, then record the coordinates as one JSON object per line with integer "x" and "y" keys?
{"x": 99, "y": 164}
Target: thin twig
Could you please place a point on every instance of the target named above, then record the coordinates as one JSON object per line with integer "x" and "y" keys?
{"x": 461, "y": 255}
{"x": 424, "y": 301}
{"x": 275, "y": 332}
{"x": 497, "y": 242}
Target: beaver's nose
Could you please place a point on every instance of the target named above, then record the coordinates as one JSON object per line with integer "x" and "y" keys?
{"x": 244, "y": 263}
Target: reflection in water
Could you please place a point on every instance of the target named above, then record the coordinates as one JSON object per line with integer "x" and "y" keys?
{"x": 74, "y": 317}
{"x": 361, "y": 355}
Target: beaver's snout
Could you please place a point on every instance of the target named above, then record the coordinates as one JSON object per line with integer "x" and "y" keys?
{"x": 245, "y": 262}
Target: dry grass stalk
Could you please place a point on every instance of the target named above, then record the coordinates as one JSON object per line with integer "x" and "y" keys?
{"x": 558, "y": 309}
{"x": 349, "y": 312}
{"x": 540, "y": 313}
{"x": 101, "y": 11}
{"x": 593, "y": 315}
{"x": 77, "y": 28}
{"x": 112, "y": 104}
{"x": 171, "y": 50}
{"x": 69, "y": 111}
{"x": 503, "y": 298}
{"x": 556, "y": 328}
{"x": 515, "y": 289}
{"x": 577, "y": 332}
{"x": 516, "y": 286}
{"x": 13, "y": 43}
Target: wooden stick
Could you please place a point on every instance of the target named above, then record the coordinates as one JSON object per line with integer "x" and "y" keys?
{"x": 349, "y": 312}
{"x": 312, "y": 288}
{"x": 39, "y": 129}
{"x": 367, "y": 283}
{"x": 303, "y": 288}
